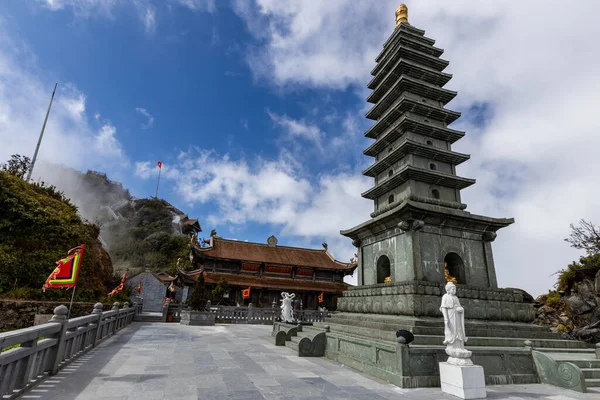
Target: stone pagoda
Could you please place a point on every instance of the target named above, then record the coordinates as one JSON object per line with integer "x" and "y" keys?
{"x": 420, "y": 234}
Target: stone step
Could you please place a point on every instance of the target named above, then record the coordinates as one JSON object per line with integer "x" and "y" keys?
{"x": 506, "y": 342}
{"x": 584, "y": 361}
{"x": 591, "y": 373}
{"x": 292, "y": 345}
{"x": 509, "y": 333}
{"x": 594, "y": 382}
{"x": 566, "y": 351}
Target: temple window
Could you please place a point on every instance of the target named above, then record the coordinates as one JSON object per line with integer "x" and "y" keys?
{"x": 391, "y": 199}
{"x": 432, "y": 166}
{"x": 435, "y": 193}
{"x": 383, "y": 269}
{"x": 390, "y": 149}
{"x": 430, "y": 143}
{"x": 391, "y": 173}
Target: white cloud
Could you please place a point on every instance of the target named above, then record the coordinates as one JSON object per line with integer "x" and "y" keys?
{"x": 538, "y": 147}
{"x": 299, "y": 129}
{"x": 198, "y": 5}
{"x": 147, "y": 14}
{"x": 70, "y": 138}
{"x": 146, "y": 114}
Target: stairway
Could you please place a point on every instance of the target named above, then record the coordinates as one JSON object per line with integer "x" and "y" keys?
{"x": 307, "y": 331}
{"x": 585, "y": 359}
{"x": 148, "y": 317}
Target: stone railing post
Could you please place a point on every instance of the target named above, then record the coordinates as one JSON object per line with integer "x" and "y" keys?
{"x": 598, "y": 350}
{"x": 165, "y": 309}
{"x": 249, "y": 315}
{"x": 60, "y": 316}
{"x": 126, "y": 316}
{"x": 98, "y": 313}
{"x": 115, "y": 308}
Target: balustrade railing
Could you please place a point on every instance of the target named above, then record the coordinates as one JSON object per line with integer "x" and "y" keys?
{"x": 45, "y": 349}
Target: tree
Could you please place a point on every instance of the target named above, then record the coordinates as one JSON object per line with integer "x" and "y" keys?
{"x": 18, "y": 165}
{"x": 586, "y": 237}
{"x": 197, "y": 299}
{"x": 221, "y": 288}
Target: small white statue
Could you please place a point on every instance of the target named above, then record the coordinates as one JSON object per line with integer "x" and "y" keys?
{"x": 454, "y": 328}
{"x": 286, "y": 307}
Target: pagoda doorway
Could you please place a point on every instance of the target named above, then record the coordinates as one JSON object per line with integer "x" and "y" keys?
{"x": 383, "y": 269}
{"x": 456, "y": 267}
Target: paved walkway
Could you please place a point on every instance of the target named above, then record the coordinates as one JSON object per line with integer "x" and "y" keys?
{"x": 170, "y": 361}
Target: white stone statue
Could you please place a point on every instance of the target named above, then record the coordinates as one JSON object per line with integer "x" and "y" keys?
{"x": 286, "y": 307}
{"x": 454, "y": 328}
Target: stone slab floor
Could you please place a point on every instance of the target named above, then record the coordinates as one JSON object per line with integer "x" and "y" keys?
{"x": 170, "y": 361}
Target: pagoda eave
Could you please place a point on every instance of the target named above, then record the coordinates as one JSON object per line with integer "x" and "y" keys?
{"x": 409, "y": 146}
{"x": 408, "y": 124}
{"x": 406, "y": 84}
{"x": 416, "y": 56}
{"x": 410, "y": 172}
{"x": 404, "y": 29}
{"x": 431, "y": 215}
{"x": 405, "y": 104}
{"x": 387, "y": 76}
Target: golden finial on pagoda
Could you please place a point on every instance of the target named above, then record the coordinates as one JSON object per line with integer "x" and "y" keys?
{"x": 401, "y": 14}
{"x": 447, "y": 275}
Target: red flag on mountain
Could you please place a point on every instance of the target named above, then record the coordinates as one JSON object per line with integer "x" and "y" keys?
{"x": 119, "y": 288}
{"x": 159, "y": 164}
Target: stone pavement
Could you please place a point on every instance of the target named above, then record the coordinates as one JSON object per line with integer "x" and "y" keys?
{"x": 171, "y": 361}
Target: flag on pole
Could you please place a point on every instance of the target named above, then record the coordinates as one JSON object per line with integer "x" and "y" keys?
{"x": 139, "y": 288}
{"x": 159, "y": 164}
{"x": 121, "y": 286}
{"x": 67, "y": 270}
{"x": 322, "y": 297}
{"x": 171, "y": 287}
{"x": 246, "y": 292}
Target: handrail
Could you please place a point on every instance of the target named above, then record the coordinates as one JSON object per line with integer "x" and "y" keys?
{"x": 47, "y": 348}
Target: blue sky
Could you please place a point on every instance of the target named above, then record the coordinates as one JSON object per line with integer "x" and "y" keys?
{"x": 256, "y": 109}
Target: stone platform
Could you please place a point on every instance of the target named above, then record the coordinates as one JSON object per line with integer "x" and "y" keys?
{"x": 367, "y": 342}
{"x": 422, "y": 299}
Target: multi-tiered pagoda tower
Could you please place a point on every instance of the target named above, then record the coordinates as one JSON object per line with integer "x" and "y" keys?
{"x": 419, "y": 225}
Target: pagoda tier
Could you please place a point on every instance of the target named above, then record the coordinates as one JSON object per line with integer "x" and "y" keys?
{"x": 411, "y": 104}
{"x": 406, "y": 84}
{"x": 409, "y": 146}
{"x": 404, "y": 31}
{"x": 409, "y": 123}
{"x": 409, "y": 172}
{"x": 388, "y": 75}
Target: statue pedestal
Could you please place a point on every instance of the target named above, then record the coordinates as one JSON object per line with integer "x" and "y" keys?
{"x": 466, "y": 382}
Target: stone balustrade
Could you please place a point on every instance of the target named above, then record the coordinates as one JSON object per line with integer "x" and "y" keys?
{"x": 244, "y": 314}
{"x": 45, "y": 349}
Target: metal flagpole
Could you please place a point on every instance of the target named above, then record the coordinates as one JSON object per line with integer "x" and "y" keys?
{"x": 159, "y": 163}
{"x": 41, "y": 134}
{"x": 71, "y": 305}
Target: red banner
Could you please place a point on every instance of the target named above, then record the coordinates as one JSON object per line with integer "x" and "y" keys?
{"x": 121, "y": 286}
{"x": 304, "y": 272}
{"x": 322, "y": 297}
{"x": 276, "y": 269}
{"x": 159, "y": 164}
{"x": 250, "y": 267}
{"x": 246, "y": 292}
{"x": 67, "y": 270}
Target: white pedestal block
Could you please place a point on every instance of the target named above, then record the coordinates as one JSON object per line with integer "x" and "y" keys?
{"x": 466, "y": 382}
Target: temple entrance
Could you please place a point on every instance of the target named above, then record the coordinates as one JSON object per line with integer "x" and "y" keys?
{"x": 456, "y": 267}
{"x": 383, "y": 269}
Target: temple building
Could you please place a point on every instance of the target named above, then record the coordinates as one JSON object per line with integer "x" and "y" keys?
{"x": 269, "y": 269}
{"x": 419, "y": 227}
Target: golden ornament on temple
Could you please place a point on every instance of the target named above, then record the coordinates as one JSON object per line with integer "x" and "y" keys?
{"x": 449, "y": 278}
{"x": 401, "y": 14}
{"x": 388, "y": 280}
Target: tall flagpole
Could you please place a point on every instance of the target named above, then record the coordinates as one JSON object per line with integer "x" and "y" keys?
{"x": 157, "y": 182}
{"x": 37, "y": 148}
{"x": 71, "y": 305}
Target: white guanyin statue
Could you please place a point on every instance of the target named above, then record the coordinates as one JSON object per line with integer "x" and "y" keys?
{"x": 454, "y": 328}
{"x": 286, "y": 307}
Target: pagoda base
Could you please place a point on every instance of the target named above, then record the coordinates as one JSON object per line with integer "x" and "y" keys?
{"x": 422, "y": 299}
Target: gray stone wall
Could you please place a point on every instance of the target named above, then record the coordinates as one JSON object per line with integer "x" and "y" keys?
{"x": 153, "y": 290}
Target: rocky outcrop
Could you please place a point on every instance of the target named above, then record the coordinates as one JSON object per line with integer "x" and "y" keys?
{"x": 577, "y": 313}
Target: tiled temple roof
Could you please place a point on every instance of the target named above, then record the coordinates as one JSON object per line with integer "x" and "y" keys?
{"x": 280, "y": 255}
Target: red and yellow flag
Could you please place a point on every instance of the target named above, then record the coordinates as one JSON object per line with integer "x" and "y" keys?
{"x": 159, "y": 164}
{"x": 139, "y": 288}
{"x": 67, "y": 270}
{"x": 246, "y": 292}
{"x": 121, "y": 286}
{"x": 171, "y": 287}
{"x": 322, "y": 297}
